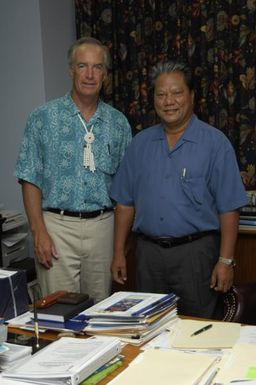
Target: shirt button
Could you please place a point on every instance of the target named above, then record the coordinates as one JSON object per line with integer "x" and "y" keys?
{"x": 161, "y": 218}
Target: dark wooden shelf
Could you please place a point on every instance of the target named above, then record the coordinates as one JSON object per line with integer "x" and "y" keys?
{"x": 245, "y": 256}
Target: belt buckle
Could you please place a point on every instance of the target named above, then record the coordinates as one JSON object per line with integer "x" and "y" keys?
{"x": 165, "y": 243}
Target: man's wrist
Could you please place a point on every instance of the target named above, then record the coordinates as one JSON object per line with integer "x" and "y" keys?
{"x": 227, "y": 261}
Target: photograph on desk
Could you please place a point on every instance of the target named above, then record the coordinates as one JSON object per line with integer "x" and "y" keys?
{"x": 131, "y": 305}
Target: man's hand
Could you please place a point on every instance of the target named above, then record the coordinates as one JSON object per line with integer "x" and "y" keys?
{"x": 118, "y": 269}
{"x": 123, "y": 222}
{"x": 222, "y": 274}
{"x": 44, "y": 248}
{"x": 43, "y": 244}
{"x": 222, "y": 277}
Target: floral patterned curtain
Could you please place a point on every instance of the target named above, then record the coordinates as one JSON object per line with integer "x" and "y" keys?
{"x": 217, "y": 39}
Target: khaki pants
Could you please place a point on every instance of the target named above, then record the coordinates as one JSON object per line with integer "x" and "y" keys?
{"x": 85, "y": 249}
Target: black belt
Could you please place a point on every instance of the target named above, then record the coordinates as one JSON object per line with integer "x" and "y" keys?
{"x": 168, "y": 242}
{"x": 80, "y": 214}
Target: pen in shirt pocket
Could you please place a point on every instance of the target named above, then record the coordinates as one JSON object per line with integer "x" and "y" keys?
{"x": 183, "y": 173}
{"x": 109, "y": 149}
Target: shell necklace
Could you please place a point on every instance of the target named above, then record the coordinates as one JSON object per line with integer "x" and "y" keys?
{"x": 89, "y": 137}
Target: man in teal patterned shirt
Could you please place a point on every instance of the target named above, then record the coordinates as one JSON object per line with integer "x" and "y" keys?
{"x": 70, "y": 152}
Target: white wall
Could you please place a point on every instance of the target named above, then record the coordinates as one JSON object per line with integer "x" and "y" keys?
{"x": 34, "y": 39}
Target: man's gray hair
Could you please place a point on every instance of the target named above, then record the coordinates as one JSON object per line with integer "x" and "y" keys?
{"x": 172, "y": 66}
{"x": 92, "y": 41}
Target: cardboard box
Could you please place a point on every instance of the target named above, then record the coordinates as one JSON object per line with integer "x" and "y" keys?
{"x": 14, "y": 295}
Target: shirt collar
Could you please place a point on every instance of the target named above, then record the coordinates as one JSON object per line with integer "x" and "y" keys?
{"x": 190, "y": 134}
{"x": 70, "y": 104}
{"x": 74, "y": 110}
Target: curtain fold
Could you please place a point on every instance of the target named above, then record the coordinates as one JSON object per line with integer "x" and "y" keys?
{"x": 216, "y": 38}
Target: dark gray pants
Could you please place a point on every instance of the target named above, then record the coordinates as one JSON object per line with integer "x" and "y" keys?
{"x": 185, "y": 270}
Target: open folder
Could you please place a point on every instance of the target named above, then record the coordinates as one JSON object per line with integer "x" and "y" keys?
{"x": 66, "y": 361}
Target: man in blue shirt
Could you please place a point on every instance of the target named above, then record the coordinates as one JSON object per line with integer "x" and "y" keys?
{"x": 180, "y": 188}
{"x": 71, "y": 150}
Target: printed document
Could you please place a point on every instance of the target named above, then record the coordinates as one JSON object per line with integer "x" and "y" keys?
{"x": 67, "y": 360}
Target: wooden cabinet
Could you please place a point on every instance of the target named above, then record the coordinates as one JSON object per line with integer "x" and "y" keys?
{"x": 245, "y": 257}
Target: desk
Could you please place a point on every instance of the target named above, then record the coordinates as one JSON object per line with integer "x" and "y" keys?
{"x": 242, "y": 360}
{"x": 129, "y": 351}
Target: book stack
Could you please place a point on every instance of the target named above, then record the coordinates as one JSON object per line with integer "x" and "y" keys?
{"x": 248, "y": 213}
{"x": 248, "y": 218}
{"x": 131, "y": 316}
{"x": 60, "y": 312}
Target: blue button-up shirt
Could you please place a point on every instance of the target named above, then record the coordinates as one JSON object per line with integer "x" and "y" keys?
{"x": 51, "y": 154}
{"x": 181, "y": 190}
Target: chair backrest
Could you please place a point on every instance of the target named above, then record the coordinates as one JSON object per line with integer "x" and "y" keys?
{"x": 240, "y": 304}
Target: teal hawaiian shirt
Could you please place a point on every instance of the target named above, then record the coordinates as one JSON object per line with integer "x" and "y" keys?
{"x": 51, "y": 154}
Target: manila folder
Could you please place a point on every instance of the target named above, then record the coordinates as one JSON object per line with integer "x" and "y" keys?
{"x": 166, "y": 367}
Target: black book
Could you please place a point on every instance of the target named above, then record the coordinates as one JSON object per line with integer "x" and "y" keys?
{"x": 63, "y": 311}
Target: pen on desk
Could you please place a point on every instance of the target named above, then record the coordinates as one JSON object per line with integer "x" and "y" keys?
{"x": 36, "y": 329}
{"x": 199, "y": 331}
{"x": 245, "y": 380}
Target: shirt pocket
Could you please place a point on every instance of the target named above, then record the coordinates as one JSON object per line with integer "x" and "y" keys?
{"x": 194, "y": 190}
{"x": 108, "y": 160}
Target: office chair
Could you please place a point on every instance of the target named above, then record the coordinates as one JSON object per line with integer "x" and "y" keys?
{"x": 240, "y": 304}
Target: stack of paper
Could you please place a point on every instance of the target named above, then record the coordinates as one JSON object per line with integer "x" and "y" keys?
{"x": 133, "y": 317}
{"x": 66, "y": 361}
{"x": 13, "y": 354}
